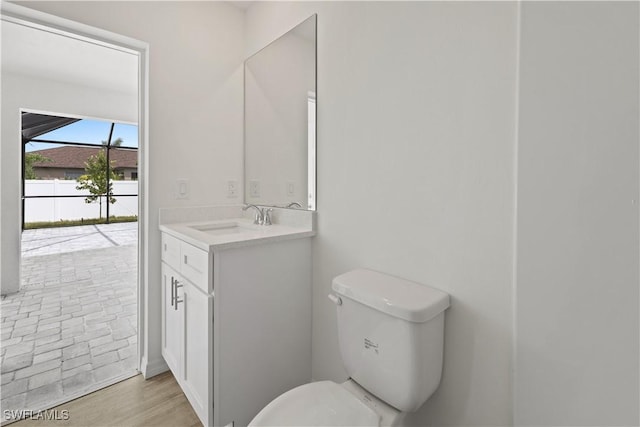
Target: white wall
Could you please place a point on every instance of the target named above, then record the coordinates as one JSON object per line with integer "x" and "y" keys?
{"x": 416, "y": 116}
{"x": 195, "y": 106}
{"x": 577, "y": 282}
{"x": 21, "y": 91}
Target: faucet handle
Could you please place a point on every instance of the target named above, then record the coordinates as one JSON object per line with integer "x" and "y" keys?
{"x": 258, "y": 218}
{"x": 267, "y": 216}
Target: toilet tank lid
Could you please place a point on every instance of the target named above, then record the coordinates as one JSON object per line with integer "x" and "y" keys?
{"x": 397, "y": 297}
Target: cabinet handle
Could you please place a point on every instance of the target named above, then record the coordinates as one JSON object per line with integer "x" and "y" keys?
{"x": 173, "y": 292}
{"x": 176, "y": 300}
{"x": 185, "y": 259}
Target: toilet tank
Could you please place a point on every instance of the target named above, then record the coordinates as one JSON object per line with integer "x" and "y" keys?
{"x": 391, "y": 335}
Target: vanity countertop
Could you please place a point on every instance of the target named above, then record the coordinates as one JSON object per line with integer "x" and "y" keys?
{"x": 232, "y": 233}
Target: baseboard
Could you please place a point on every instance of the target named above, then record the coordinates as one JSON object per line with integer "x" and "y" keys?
{"x": 152, "y": 368}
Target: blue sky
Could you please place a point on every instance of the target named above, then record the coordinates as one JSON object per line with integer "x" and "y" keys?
{"x": 89, "y": 131}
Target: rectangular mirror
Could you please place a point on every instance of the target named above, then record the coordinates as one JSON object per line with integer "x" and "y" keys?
{"x": 280, "y": 121}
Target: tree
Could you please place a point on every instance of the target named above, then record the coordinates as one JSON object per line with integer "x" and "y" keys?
{"x": 95, "y": 180}
{"x": 29, "y": 160}
{"x": 115, "y": 143}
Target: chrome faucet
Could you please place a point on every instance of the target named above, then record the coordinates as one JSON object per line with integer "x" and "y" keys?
{"x": 262, "y": 217}
{"x": 294, "y": 204}
{"x": 259, "y": 218}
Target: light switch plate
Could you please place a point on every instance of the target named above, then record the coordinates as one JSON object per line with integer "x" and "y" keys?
{"x": 182, "y": 189}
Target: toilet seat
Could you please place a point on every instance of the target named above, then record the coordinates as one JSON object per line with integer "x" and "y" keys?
{"x": 322, "y": 403}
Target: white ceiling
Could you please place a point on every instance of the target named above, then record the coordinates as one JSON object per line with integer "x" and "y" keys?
{"x": 42, "y": 54}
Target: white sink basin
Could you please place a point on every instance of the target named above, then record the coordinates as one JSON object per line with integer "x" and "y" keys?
{"x": 219, "y": 229}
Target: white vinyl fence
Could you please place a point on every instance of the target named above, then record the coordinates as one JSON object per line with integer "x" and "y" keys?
{"x": 75, "y": 208}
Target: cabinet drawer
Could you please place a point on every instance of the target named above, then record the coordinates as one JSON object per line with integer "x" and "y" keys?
{"x": 171, "y": 251}
{"x": 194, "y": 265}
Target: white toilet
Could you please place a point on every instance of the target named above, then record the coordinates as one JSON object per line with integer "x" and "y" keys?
{"x": 391, "y": 334}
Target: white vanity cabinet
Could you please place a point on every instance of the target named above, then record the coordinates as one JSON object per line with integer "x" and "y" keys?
{"x": 238, "y": 332}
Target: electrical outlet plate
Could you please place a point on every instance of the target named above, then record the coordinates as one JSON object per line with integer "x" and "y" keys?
{"x": 232, "y": 189}
{"x": 254, "y": 188}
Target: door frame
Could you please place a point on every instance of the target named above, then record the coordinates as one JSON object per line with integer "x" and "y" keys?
{"x": 43, "y": 21}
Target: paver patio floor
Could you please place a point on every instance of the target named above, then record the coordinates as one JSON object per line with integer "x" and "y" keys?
{"x": 72, "y": 328}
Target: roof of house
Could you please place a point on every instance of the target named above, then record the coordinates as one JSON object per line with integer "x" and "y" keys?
{"x": 71, "y": 157}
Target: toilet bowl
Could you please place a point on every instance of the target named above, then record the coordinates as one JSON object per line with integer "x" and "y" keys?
{"x": 391, "y": 337}
{"x": 325, "y": 403}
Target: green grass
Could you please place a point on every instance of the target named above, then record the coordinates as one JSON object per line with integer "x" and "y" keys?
{"x": 73, "y": 223}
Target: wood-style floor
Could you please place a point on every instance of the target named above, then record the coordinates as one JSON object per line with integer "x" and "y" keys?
{"x": 158, "y": 401}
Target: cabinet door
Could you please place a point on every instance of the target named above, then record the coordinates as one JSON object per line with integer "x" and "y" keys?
{"x": 198, "y": 350}
{"x": 172, "y": 322}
